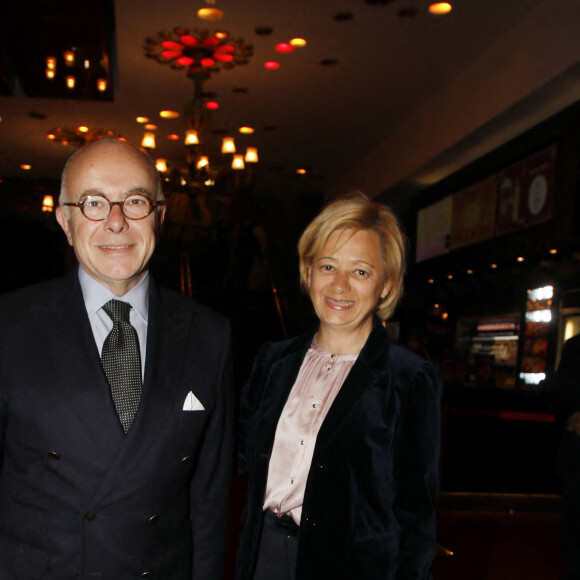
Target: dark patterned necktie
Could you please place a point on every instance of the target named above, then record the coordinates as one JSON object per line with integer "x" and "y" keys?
{"x": 121, "y": 362}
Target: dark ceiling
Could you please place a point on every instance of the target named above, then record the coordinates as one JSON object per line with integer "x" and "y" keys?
{"x": 384, "y": 97}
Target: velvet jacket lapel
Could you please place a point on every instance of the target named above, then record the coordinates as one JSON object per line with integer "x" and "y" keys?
{"x": 369, "y": 367}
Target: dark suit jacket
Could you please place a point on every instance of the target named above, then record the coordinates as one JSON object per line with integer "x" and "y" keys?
{"x": 77, "y": 497}
{"x": 368, "y": 511}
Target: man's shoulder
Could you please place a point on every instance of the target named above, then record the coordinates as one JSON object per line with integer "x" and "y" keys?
{"x": 178, "y": 302}
{"x": 45, "y": 291}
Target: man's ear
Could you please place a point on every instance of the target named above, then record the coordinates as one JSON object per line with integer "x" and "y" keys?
{"x": 64, "y": 223}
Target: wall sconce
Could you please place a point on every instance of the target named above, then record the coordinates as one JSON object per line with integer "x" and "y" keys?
{"x": 161, "y": 165}
{"x": 71, "y": 82}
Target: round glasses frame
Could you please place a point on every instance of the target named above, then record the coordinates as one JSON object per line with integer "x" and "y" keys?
{"x": 152, "y": 204}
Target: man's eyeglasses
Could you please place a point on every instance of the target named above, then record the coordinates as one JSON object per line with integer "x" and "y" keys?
{"x": 134, "y": 207}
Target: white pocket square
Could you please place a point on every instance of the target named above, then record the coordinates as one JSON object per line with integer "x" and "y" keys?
{"x": 192, "y": 403}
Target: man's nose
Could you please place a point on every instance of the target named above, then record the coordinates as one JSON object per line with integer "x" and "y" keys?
{"x": 116, "y": 221}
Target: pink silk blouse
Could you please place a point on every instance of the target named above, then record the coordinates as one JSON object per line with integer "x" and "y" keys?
{"x": 319, "y": 380}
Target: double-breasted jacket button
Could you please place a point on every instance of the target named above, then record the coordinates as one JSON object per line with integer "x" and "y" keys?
{"x": 145, "y": 574}
{"x": 186, "y": 459}
{"x": 90, "y": 515}
{"x": 53, "y": 455}
{"x": 153, "y": 519}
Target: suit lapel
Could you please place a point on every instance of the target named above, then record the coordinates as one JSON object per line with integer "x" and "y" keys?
{"x": 73, "y": 354}
{"x": 167, "y": 338}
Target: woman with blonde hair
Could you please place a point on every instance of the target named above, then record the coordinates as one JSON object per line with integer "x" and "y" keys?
{"x": 340, "y": 427}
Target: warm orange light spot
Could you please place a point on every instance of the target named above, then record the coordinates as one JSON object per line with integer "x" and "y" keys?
{"x": 298, "y": 42}
{"x": 439, "y": 8}
{"x": 70, "y": 82}
{"x": 102, "y": 85}
{"x": 553, "y": 251}
{"x": 69, "y": 57}
{"x": 470, "y": 271}
{"x": 82, "y": 129}
{"x": 142, "y": 120}
{"x": 26, "y": 167}
{"x": 520, "y": 258}
{"x": 173, "y": 137}
{"x": 210, "y": 13}
{"x": 168, "y": 114}
{"x": 150, "y": 127}
{"x": 301, "y": 171}
{"x": 431, "y": 281}
{"x": 51, "y": 136}
{"x": 50, "y": 73}
{"x": 51, "y": 62}
{"x": 246, "y": 130}
{"x": 449, "y": 276}
{"x": 493, "y": 266}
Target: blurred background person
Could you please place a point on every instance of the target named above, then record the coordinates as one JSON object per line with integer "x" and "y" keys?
{"x": 564, "y": 392}
{"x": 340, "y": 428}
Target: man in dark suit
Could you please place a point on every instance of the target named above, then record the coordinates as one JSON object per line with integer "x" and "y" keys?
{"x": 564, "y": 391}
{"x": 115, "y": 399}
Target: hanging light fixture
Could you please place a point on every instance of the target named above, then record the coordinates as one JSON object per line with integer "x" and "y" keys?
{"x": 228, "y": 145}
{"x": 251, "y": 155}
{"x": 238, "y": 161}
{"x": 148, "y": 141}
{"x": 47, "y": 204}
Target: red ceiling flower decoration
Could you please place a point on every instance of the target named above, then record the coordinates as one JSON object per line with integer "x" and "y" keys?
{"x": 198, "y": 51}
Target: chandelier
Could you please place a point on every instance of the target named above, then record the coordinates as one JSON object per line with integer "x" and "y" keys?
{"x": 201, "y": 54}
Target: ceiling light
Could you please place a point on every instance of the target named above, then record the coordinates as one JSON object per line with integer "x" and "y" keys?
{"x": 173, "y": 137}
{"x": 82, "y": 129}
{"x": 142, "y": 120}
{"x": 228, "y": 145}
{"x": 251, "y": 155}
{"x": 191, "y": 137}
{"x": 69, "y": 58}
{"x": 210, "y": 13}
{"x": 238, "y": 161}
{"x": 168, "y": 114}
{"x": 553, "y": 251}
{"x": 161, "y": 165}
{"x": 47, "y": 203}
{"x": 271, "y": 65}
{"x": 212, "y": 105}
{"x": 26, "y": 167}
{"x": 520, "y": 258}
{"x": 298, "y": 42}
{"x": 246, "y": 130}
{"x": 150, "y": 127}
{"x": 148, "y": 141}
{"x": 301, "y": 171}
{"x": 440, "y": 8}
{"x": 284, "y": 47}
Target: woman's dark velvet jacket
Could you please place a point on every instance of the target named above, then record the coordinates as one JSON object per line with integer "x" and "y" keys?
{"x": 369, "y": 503}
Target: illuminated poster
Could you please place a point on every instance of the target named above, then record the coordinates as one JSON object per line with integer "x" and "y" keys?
{"x": 525, "y": 192}
{"x": 433, "y": 227}
{"x": 473, "y": 213}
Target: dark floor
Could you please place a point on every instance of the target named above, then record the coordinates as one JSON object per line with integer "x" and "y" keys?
{"x": 498, "y": 546}
{"x": 492, "y": 536}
